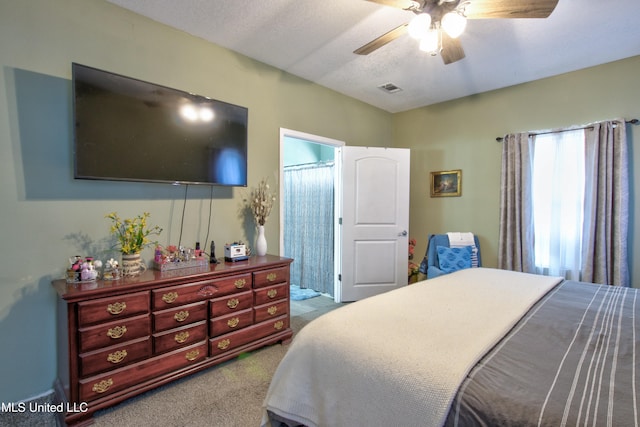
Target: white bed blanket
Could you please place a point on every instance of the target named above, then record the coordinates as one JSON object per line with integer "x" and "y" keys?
{"x": 399, "y": 358}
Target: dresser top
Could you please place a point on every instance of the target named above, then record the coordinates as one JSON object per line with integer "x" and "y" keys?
{"x": 153, "y": 278}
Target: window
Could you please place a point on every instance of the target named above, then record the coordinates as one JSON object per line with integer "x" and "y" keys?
{"x": 564, "y": 203}
{"x": 558, "y": 188}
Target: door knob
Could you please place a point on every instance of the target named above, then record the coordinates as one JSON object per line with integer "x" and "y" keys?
{"x": 403, "y": 233}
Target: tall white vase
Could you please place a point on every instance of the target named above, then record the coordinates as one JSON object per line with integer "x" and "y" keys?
{"x": 261, "y": 242}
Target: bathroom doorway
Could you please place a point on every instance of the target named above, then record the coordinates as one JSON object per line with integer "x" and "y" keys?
{"x": 309, "y": 179}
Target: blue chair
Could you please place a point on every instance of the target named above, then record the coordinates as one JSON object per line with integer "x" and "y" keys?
{"x": 430, "y": 264}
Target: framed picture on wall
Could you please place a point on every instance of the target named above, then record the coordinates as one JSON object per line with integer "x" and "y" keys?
{"x": 446, "y": 183}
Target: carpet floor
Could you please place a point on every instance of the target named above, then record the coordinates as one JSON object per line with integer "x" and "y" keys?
{"x": 230, "y": 394}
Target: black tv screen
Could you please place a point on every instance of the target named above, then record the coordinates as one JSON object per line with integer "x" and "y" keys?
{"x": 131, "y": 130}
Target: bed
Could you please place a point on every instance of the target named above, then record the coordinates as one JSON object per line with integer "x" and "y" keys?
{"x": 477, "y": 347}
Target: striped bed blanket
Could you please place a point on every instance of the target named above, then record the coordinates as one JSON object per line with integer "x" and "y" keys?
{"x": 573, "y": 360}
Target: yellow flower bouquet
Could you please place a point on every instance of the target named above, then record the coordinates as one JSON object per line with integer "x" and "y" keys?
{"x": 132, "y": 233}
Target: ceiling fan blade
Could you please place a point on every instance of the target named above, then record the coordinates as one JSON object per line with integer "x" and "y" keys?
{"x": 451, "y": 49}
{"x": 486, "y": 9}
{"x": 382, "y": 40}
{"x": 400, "y": 4}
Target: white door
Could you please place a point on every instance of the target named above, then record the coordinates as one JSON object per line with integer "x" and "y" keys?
{"x": 375, "y": 221}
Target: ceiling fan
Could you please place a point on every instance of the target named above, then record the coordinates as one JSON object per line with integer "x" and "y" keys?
{"x": 438, "y": 23}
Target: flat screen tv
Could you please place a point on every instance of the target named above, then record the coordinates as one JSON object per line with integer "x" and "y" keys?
{"x": 127, "y": 129}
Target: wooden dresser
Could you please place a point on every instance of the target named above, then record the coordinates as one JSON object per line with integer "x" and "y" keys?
{"x": 117, "y": 339}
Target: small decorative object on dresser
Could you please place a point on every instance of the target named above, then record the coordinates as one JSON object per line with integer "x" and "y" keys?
{"x": 173, "y": 257}
{"x": 111, "y": 270}
{"x": 83, "y": 269}
{"x": 132, "y": 236}
{"x": 261, "y": 242}
{"x": 116, "y": 341}
{"x": 260, "y": 202}
{"x": 132, "y": 264}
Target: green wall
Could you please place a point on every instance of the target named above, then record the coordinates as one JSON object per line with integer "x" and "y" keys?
{"x": 46, "y": 216}
{"x": 461, "y": 134}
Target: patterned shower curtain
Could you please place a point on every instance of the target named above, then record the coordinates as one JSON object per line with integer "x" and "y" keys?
{"x": 308, "y": 225}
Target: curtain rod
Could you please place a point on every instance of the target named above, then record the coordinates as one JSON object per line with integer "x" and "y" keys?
{"x": 631, "y": 121}
{"x": 310, "y": 165}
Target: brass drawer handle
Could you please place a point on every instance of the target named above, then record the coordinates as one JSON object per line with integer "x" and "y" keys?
{"x": 272, "y": 293}
{"x": 181, "y": 337}
{"x": 271, "y": 277}
{"x": 233, "y": 322}
{"x": 117, "y": 357}
{"x": 233, "y": 303}
{"x": 117, "y": 332}
{"x": 272, "y": 310}
{"x": 116, "y": 307}
{"x": 192, "y": 355}
{"x": 170, "y": 297}
{"x": 239, "y": 284}
{"x": 102, "y": 386}
{"x": 181, "y": 316}
{"x": 224, "y": 344}
{"x": 278, "y": 325}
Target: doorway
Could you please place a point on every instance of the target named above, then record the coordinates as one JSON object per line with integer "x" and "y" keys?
{"x": 309, "y": 185}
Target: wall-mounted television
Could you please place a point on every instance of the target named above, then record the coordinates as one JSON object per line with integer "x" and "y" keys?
{"x": 127, "y": 129}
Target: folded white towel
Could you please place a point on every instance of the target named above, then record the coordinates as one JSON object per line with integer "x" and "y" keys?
{"x": 460, "y": 239}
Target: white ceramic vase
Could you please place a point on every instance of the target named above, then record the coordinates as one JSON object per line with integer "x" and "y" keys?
{"x": 261, "y": 242}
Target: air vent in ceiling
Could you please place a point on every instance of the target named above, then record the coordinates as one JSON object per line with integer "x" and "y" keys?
{"x": 390, "y": 88}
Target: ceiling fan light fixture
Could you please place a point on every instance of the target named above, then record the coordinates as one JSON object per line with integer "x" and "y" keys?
{"x": 419, "y": 26}
{"x": 432, "y": 42}
{"x": 454, "y": 24}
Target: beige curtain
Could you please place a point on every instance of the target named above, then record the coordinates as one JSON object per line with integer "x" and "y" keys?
{"x": 515, "y": 247}
{"x": 606, "y": 215}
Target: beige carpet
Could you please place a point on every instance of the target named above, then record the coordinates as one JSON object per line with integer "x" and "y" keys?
{"x": 228, "y": 395}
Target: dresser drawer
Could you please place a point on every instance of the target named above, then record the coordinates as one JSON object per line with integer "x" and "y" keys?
{"x": 268, "y": 311}
{"x": 129, "y": 376}
{"x": 113, "y": 333}
{"x": 270, "y": 277}
{"x": 233, "y": 284}
{"x": 115, "y": 356}
{"x": 231, "y": 322}
{"x": 179, "y": 316}
{"x": 179, "y": 337}
{"x": 226, "y": 343}
{"x": 183, "y": 294}
{"x": 271, "y": 293}
{"x": 174, "y": 296}
{"x": 230, "y": 303}
{"x": 111, "y": 308}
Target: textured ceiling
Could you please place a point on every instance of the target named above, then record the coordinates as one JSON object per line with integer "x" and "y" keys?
{"x": 315, "y": 40}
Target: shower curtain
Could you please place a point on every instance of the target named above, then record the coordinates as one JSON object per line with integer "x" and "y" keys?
{"x": 308, "y": 225}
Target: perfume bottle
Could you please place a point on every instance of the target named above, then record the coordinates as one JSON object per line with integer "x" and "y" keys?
{"x": 212, "y": 255}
